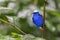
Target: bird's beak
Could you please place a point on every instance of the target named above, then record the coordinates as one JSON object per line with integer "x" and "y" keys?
{"x": 42, "y": 28}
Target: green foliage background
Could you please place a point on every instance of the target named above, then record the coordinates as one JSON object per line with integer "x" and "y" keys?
{"x": 12, "y": 30}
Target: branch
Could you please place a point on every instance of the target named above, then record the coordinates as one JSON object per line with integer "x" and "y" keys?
{"x": 12, "y": 25}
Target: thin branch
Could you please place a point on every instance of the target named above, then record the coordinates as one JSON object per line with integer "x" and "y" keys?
{"x": 44, "y": 18}
{"x": 12, "y": 25}
{"x": 44, "y": 10}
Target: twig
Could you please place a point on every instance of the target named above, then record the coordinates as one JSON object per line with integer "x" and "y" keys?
{"x": 12, "y": 25}
{"x": 44, "y": 18}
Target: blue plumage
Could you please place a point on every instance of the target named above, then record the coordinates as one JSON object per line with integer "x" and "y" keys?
{"x": 37, "y": 19}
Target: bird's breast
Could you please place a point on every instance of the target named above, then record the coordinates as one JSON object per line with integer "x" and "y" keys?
{"x": 37, "y": 20}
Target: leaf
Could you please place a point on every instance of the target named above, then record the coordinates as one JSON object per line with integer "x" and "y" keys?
{"x": 3, "y": 17}
{"x": 55, "y": 13}
{"x": 41, "y": 3}
{"x": 37, "y": 38}
{"x": 7, "y": 11}
{"x": 25, "y": 26}
{"x": 50, "y": 26}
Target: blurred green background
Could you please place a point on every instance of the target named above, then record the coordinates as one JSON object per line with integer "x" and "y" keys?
{"x": 16, "y": 15}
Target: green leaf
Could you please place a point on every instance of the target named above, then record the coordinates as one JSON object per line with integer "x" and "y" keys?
{"x": 1, "y": 36}
{"x": 3, "y": 17}
{"x": 55, "y": 13}
{"x": 7, "y": 11}
{"x": 41, "y": 3}
{"x": 25, "y": 26}
{"x": 50, "y": 26}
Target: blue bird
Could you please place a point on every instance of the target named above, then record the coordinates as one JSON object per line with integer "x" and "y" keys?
{"x": 38, "y": 20}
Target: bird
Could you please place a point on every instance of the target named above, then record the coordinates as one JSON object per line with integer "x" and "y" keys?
{"x": 38, "y": 20}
